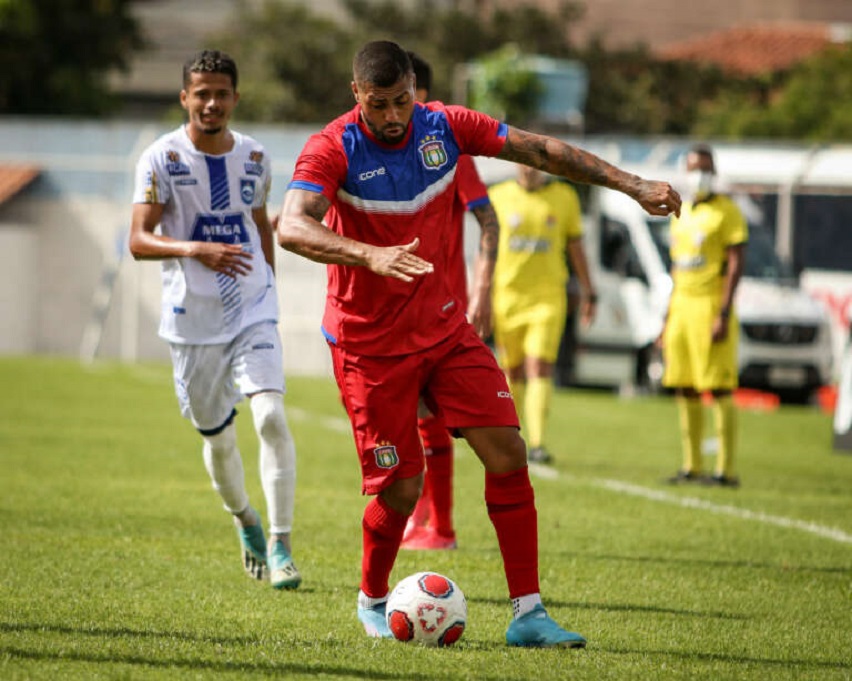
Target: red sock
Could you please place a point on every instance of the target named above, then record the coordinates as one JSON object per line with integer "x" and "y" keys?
{"x": 382, "y": 530}
{"x": 438, "y": 481}
{"x": 510, "y": 500}
{"x": 439, "y": 469}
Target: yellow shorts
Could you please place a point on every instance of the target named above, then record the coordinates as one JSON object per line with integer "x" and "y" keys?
{"x": 528, "y": 331}
{"x": 691, "y": 358}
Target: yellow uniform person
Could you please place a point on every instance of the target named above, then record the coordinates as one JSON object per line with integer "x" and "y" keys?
{"x": 540, "y": 221}
{"x": 701, "y": 334}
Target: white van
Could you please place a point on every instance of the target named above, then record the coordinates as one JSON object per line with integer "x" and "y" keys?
{"x": 785, "y": 339}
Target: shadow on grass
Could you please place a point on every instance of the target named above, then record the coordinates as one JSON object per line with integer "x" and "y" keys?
{"x": 615, "y": 607}
{"x": 282, "y": 670}
{"x": 733, "y": 659}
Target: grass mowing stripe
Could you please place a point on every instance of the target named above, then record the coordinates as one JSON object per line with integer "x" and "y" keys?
{"x": 622, "y": 487}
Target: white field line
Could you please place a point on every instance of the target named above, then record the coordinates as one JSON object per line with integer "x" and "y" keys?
{"x": 620, "y": 487}
{"x": 743, "y": 513}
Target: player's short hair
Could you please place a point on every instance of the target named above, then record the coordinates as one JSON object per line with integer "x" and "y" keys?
{"x": 705, "y": 150}
{"x": 210, "y": 61}
{"x": 382, "y": 63}
{"x": 422, "y": 72}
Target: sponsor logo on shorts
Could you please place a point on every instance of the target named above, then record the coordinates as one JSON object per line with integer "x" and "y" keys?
{"x": 263, "y": 346}
{"x": 179, "y": 310}
{"x": 504, "y": 394}
{"x": 386, "y": 456}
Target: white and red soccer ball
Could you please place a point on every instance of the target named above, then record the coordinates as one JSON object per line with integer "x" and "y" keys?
{"x": 427, "y": 608}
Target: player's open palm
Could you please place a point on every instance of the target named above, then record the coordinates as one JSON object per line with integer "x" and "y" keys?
{"x": 228, "y": 259}
{"x": 399, "y": 262}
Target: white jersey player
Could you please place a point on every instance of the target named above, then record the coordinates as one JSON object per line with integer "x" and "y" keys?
{"x": 200, "y": 208}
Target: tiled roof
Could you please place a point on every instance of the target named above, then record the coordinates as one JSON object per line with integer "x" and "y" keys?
{"x": 13, "y": 178}
{"x": 751, "y": 50}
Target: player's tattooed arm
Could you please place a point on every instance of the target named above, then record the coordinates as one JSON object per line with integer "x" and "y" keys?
{"x": 301, "y": 231}
{"x": 479, "y": 306}
{"x": 559, "y": 158}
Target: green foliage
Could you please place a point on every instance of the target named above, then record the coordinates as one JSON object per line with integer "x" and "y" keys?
{"x": 504, "y": 87}
{"x": 56, "y": 53}
{"x": 119, "y": 562}
{"x": 813, "y": 102}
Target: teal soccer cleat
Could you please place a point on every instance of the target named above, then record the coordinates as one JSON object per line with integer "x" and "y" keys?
{"x": 253, "y": 548}
{"x": 536, "y": 629}
{"x": 283, "y": 573}
{"x": 375, "y": 620}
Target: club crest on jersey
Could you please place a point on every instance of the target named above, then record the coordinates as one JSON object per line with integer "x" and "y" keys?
{"x": 432, "y": 152}
{"x": 386, "y": 456}
{"x": 174, "y": 166}
{"x": 247, "y": 191}
{"x": 254, "y": 166}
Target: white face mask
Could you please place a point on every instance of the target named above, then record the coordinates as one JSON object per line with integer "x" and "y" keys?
{"x": 700, "y": 183}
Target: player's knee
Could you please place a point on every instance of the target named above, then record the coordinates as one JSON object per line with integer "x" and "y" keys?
{"x": 270, "y": 421}
{"x": 222, "y": 444}
{"x": 402, "y": 495}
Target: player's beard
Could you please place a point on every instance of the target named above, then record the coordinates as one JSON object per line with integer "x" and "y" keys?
{"x": 382, "y": 135}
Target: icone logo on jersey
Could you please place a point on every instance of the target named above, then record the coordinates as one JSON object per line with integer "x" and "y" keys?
{"x": 432, "y": 152}
{"x": 370, "y": 174}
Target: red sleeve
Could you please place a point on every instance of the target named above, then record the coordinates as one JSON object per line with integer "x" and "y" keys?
{"x": 321, "y": 167}
{"x": 477, "y": 134}
{"x": 470, "y": 187}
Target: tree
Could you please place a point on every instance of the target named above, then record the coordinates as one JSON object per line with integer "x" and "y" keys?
{"x": 56, "y": 54}
{"x": 812, "y": 102}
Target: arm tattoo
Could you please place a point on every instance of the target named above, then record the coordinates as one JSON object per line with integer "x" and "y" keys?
{"x": 559, "y": 158}
{"x": 490, "y": 227}
{"x": 316, "y": 206}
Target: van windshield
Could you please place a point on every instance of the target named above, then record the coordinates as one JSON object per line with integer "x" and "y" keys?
{"x": 761, "y": 261}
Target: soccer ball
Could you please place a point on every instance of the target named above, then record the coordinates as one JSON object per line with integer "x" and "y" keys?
{"x": 427, "y": 608}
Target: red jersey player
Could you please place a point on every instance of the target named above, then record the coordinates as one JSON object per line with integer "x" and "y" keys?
{"x": 430, "y": 526}
{"x": 381, "y": 178}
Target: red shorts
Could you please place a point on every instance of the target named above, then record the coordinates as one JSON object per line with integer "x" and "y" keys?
{"x": 459, "y": 379}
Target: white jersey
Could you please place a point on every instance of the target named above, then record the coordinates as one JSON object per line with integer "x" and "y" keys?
{"x": 209, "y": 198}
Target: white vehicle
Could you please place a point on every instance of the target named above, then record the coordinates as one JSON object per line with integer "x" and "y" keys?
{"x": 785, "y": 338}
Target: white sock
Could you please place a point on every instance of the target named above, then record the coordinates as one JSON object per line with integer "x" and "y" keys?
{"x": 225, "y": 466}
{"x": 364, "y": 601}
{"x": 524, "y": 604}
{"x": 277, "y": 460}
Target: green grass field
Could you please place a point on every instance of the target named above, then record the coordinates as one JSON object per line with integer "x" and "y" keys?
{"x": 118, "y": 561}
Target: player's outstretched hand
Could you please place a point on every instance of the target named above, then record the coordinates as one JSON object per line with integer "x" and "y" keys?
{"x": 658, "y": 198}
{"x": 228, "y": 259}
{"x": 398, "y": 262}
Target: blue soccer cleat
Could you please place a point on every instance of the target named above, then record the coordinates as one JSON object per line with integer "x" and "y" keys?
{"x": 375, "y": 620}
{"x": 253, "y": 548}
{"x": 283, "y": 573}
{"x": 536, "y": 629}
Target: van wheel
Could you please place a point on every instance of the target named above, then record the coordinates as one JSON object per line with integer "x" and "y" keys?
{"x": 649, "y": 369}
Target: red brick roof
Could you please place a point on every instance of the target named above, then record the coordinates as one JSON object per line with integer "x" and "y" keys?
{"x": 13, "y": 178}
{"x": 751, "y": 50}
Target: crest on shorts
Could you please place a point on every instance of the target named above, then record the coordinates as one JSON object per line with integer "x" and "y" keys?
{"x": 386, "y": 456}
{"x": 432, "y": 152}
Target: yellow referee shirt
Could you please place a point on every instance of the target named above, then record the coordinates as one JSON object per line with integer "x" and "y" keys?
{"x": 700, "y": 238}
{"x": 534, "y": 230}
